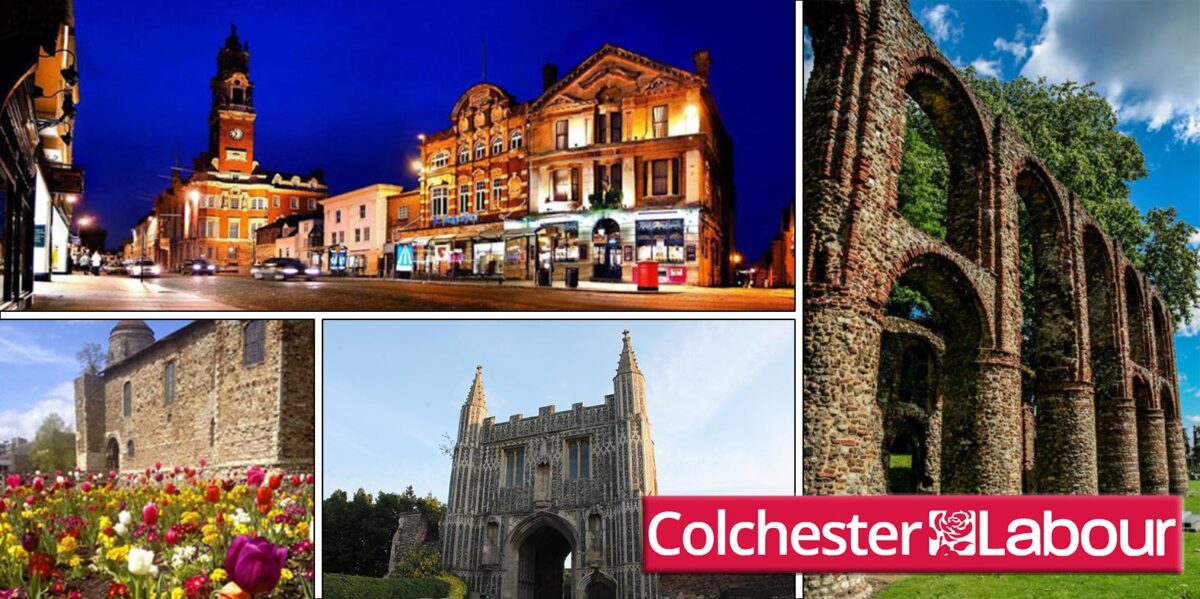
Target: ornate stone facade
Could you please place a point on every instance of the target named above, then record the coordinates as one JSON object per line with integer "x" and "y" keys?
{"x": 527, "y": 492}
{"x": 233, "y": 393}
{"x": 1102, "y": 414}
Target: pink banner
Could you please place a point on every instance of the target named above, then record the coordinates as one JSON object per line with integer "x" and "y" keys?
{"x": 914, "y": 533}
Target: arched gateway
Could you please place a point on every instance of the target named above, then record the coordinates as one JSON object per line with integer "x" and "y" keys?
{"x": 1099, "y": 410}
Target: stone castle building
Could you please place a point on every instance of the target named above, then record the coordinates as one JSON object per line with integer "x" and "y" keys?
{"x": 528, "y": 492}
{"x": 1097, "y": 411}
{"x": 235, "y": 393}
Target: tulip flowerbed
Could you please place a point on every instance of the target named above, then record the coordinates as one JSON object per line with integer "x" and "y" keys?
{"x": 161, "y": 534}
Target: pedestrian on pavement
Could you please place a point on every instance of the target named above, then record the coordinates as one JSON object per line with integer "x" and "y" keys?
{"x": 96, "y": 262}
{"x": 81, "y": 262}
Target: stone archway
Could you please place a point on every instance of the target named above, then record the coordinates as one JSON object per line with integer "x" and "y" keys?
{"x": 537, "y": 549}
{"x": 599, "y": 588}
{"x": 1152, "y": 441}
{"x": 112, "y": 455}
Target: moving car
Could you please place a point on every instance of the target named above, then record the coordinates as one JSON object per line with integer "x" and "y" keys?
{"x": 282, "y": 269}
{"x": 198, "y": 266}
{"x": 143, "y": 267}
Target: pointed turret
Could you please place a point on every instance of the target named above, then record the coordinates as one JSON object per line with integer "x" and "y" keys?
{"x": 474, "y": 411}
{"x": 475, "y": 397}
{"x": 628, "y": 362}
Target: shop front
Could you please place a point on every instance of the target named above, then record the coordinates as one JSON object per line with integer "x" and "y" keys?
{"x": 474, "y": 250}
{"x": 606, "y": 245}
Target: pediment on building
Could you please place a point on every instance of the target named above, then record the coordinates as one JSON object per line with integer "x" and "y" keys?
{"x": 612, "y": 72}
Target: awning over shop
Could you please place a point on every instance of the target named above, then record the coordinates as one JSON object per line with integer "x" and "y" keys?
{"x": 437, "y": 238}
{"x": 415, "y": 241}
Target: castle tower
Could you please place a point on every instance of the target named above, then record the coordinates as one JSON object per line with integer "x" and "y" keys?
{"x": 463, "y": 475}
{"x": 127, "y": 338}
{"x": 231, "y": 121}
{"x": 629, "y": 389}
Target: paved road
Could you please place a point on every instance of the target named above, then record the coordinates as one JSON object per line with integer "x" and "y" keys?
{"x": 242, "y": 292}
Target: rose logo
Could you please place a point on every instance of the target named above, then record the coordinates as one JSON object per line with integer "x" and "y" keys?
{"x": 953, "y": 532}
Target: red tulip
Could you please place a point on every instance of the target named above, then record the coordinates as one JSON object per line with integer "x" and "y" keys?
{"x": 150, "y": 514}
{"x": 275, "y": 480}
{"x": 173, "y": 537}
{"x": 14, "y": 481}
{"x": 309, "y": 479}
{"x": 39, "y": 484}
{"x": 158, "y": 465}
{"x": 203, "y": 463}
{"x": 86, "y": 486}
{"x": 213, "y": 494}
{"x": 263, "y": 496}
{"x": 296, "y": 480}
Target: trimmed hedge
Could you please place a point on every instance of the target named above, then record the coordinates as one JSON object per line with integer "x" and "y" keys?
{"x": 342, "y": 586}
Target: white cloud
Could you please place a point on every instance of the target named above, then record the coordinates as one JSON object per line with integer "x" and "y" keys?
{"x": 60, "y": 400}
{"x": 808, "y": 59}
{"x": 1142, "y": 60}
{"x": 1016, "y": 47}
{"x": 28, "y": 352}
{"x": 1191, "y": 327}
{"x": 1193, "y": 420}
{"x": 987, "y": 68}
{"x": 937, "y": 20}
{"x": 1194, "y": 238}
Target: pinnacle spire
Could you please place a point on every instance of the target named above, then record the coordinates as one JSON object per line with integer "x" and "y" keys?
{"x": 475, "y": 397}
{"x": 628, "y": 361}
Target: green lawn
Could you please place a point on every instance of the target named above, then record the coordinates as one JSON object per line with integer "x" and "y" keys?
{"x": 1055, "y": 586}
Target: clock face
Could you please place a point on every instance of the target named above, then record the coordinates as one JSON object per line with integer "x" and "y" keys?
{"x": 236, "y": 134}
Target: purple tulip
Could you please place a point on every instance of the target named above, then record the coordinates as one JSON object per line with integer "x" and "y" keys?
{"x": 254, "y": 564}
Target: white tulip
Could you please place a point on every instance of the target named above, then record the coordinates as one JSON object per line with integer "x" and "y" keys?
{"x": 120, "y": 529}
{"x": 124, "y": 518}
{"x": 141, "y": 561}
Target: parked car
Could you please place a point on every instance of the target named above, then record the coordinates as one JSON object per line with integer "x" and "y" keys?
{"x": 282, "y": 269}
{"x": 116, "y": 267}
{"x": 198, "y": 266}
{"x": 143, "y": 267}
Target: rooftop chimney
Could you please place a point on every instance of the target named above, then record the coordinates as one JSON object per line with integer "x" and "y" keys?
{"x": 703, "y": 63}
{"x": 549, "y": 76}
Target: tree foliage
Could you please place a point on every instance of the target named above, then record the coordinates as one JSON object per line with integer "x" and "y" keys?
{"x": 1073, "y": 130}
{"x": 91, "y": 358}
{"x": 53, "y": 447}
{"x": 358, "y": 530}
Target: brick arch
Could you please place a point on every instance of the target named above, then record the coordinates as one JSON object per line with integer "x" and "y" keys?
{"x": 937, "y": 88}
{"x": 1135, "y": 317}
{"x": 950, "y": 266}
{"x": 1152, "y": 439}
{"x": 1162, "y": 337}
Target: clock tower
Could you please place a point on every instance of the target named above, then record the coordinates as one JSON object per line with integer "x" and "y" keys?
{"x": 231, "y": 122}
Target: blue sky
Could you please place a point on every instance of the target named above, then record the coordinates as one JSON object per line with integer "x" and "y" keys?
{"x": 720, "y": 394}
{"x": 1142, "y": 56}
{"x": 38, "y": 367}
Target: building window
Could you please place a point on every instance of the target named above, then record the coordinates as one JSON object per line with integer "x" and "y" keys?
{"x": 480, "y": 195}
{"x": 254, "y": 337}
{"x": 497, "y": 145}
{"x": 614, "y": 177}
{"x": 233, "y": 203}
{"x": 441, "y": 159}
{"x": 659, "y": 114}
{"x": 366, "y": 233}
{"x": 212, "y": 226}
{"x": 402, "y": 213}
{"x": 235, "y": 228}
{"x": 127, "y": 399}
{"x": 295, "y": 203}
{"x": 514, "y": 467}
{"x": 464, "y": 155}
{"x": 565, "y": 184}
{"x": 169, "y": 383}
{"x": 659, "y": 177}
{"x": 312, "y": 203}
{"x": 614, "y": 127}
{"x": 514, "y": 142}
{"x": 560, "y": 135}
{"x": 497, "y": 191}
{"x": 578, "y": 459}
{"x": 440, "y": 200}
{"x": 601, "y": 126}
{"x": 275, "y": 201}
{"x": 480, "y": 150}
{"x": 129, "y": 449}
{"x": 464, "y": 198}
{"x": 357, "y": 235}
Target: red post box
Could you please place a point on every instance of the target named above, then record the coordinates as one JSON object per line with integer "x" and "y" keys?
{"x": 647, "y": 276}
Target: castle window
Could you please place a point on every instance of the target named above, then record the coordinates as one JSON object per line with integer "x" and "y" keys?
{"x": 514, "y": 467}
{"x": 659, "y": 114}
{"x": 560, "y": 135}
{"x": 514, "y": 142}
{"x": 480, "y": 195}
{"x": 464, "y": 155}
{"x": 127, "y": 399}
{"x": 169, "y": 383}
{"x": 129, "y": 449}
{"x": 480, "y": 150}
{"x": 578, "y": 459}
{"x": 497, "y": 145}
{"x": 254, "y": 336}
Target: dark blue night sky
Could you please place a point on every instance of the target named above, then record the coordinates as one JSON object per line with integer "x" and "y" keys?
{"x": 349, "y": 88}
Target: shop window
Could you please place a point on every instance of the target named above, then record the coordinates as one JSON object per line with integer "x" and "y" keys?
{"x": 464, "y": 155}
{"x": 480, "y": 150}
{"x": 464, "y": 198}
{"x": 578, "y": 459}
{"x": 514, "y": 142}
{"x": 254, "y": 338}
{"x": 514, "y": 467}
{"x": 480, "y": 196}
{"x": 560, "y": 242}
{"x": 497, "y": 190}
{"x": 660, "y": 240}
{"x": 659, "y": 115}
{"x": 127, "y": 399}
{"x": 560, "y": 135}
{"x": 439, "y": 200}
{"x": 169, "y": 383}
{"x": 497, "y": 145}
